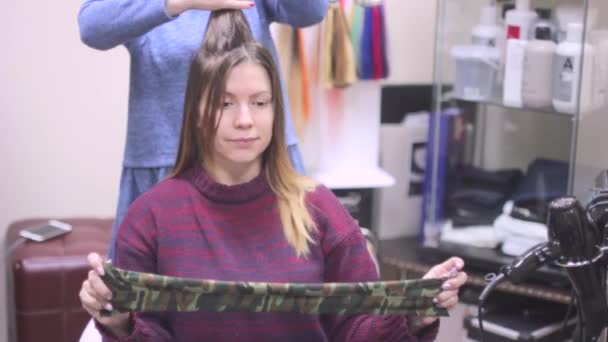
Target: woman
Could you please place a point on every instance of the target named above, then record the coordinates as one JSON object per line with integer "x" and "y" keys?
{"x": 161, "y": 37}
{"x": 235, "y": 209}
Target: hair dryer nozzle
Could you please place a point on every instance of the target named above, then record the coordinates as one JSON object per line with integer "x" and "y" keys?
{"x": 569, "y": 226}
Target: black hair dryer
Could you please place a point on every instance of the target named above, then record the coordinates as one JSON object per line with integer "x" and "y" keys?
{"x": 578, "y": 242}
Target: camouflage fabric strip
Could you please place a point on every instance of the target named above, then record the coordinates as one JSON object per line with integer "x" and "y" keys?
{"x": 150, "y": 292}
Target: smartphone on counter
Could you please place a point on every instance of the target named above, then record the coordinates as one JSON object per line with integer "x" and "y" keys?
{"x": 49, "y": 230}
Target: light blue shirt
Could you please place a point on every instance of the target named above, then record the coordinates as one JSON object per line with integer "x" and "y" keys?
{"x": 161, "y": 49}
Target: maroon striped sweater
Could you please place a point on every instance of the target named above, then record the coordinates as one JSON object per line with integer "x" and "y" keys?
{"x": 191, "y": 226}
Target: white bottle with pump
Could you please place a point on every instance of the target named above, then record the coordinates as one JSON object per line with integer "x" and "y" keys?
{"x": 538, "y": 69}
{"x": 518, "y": 22}
{"x": 567, "y": 72}
{"x": 487, "y": 32}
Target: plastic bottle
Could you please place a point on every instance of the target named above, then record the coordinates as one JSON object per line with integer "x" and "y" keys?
{"x": 506, "y": 7}
{"x": 544, "y": 20}
{"x": 519, "y": 20}
{"x": 487, "y": 32}
{"x": 502, "y": 42}
{"x": 475, "y": 72}
{"x": 538, "y": 69}
{"x": 503, "y": 24}
{"x": 567, "y": 72}
{"x": 518, "y": 23}
{"x": 566, "y": 13}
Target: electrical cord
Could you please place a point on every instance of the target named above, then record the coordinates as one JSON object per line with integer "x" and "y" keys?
{"x": 580, "y": 325}
{"x": 494, "y": 281}
{"x": 480, "y": 319}
{"x": 568, "y": 312}
{"x": 604, "y": 289}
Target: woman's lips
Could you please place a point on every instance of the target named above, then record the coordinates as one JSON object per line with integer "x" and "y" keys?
{"x": 244, "y": 142}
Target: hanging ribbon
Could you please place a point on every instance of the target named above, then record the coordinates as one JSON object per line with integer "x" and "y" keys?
{"x": 338, "y": 57}
{"x": 304, "y": 72}
{"x": 371, "y": 46}
{"x": 356, "y": 18}
{"x": 294, "y": 65}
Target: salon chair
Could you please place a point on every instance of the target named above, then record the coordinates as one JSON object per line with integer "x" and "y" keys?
{"x": 44, "y": 279}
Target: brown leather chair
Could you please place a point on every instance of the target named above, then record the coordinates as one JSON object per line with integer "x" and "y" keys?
{"x": 45, "y": 278}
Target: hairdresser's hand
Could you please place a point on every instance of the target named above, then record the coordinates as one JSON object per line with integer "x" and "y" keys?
{"x": 95, "y": 296}
{"x": 448, "y": 297}
{"x": 175, "y": 7}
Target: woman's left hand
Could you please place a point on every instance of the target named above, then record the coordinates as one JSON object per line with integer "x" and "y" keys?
{"x": 448, "y": 297}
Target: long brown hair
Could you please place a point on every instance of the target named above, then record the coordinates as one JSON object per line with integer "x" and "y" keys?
{"x": 228, "y": 42}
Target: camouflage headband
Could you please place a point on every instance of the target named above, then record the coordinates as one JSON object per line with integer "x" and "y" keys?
{"x": 150, "y": 292}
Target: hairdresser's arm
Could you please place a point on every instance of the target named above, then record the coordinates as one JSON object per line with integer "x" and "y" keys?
{"x": 298, "y": 13}
{"x": 105, "y": 24}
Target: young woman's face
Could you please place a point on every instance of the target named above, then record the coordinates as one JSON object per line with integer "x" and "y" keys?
{"x": 245, "y": 124}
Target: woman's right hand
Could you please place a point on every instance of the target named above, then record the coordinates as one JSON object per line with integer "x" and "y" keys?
{"x": 95, "y": 296}
{"x": 176, "y": 7}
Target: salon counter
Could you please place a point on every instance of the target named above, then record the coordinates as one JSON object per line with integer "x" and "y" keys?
{"x": 403, "y": 258}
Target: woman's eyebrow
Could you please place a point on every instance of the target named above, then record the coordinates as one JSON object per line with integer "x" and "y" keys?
{"x": 263, "y": 92}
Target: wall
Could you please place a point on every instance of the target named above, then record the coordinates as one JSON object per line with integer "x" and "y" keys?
{"x": 411, "y": 26}
{"x": 62, "y": 109}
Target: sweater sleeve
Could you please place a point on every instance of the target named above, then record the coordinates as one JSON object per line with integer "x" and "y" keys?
{"x": 136, "y": 251}
{"x": 297, "y": 13}
{"x": 347, "y": 259}
{"x": 105, "y": 24}
{"x": 350, "y": 261}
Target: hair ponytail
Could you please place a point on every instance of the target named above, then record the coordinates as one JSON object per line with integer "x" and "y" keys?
{"x": 226, "y": 30}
